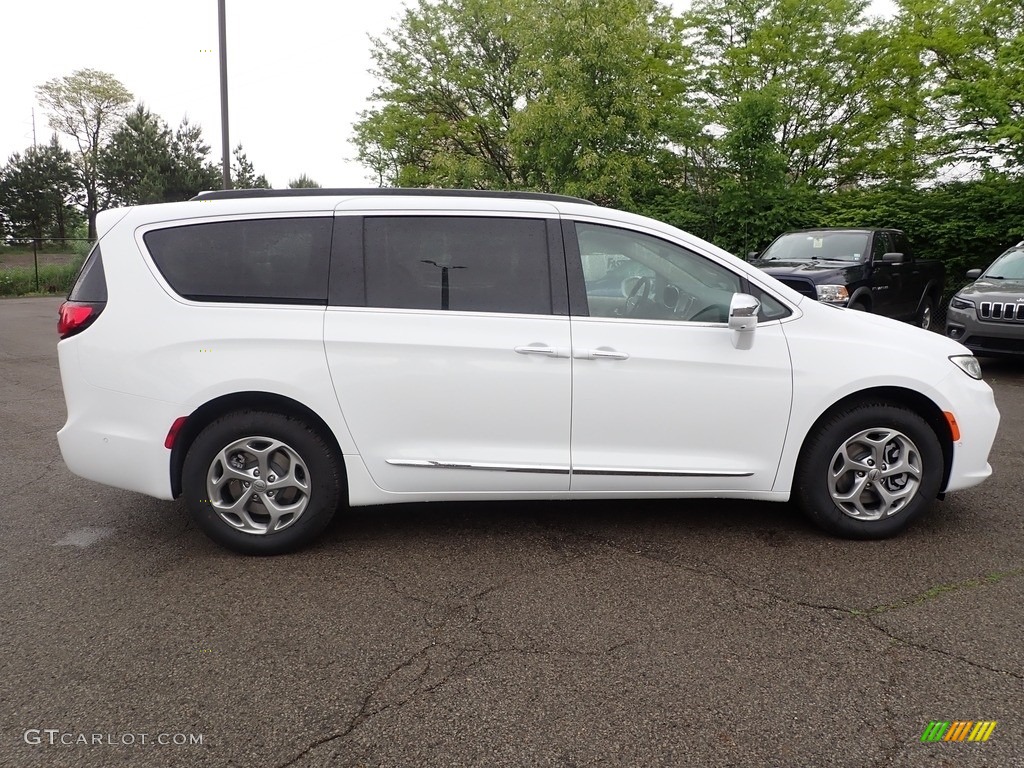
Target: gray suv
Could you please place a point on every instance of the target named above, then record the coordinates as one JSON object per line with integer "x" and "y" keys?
{"x": 987, "y": 316}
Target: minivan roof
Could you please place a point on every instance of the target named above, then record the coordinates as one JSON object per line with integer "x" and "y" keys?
{"x": 228, "y": 194}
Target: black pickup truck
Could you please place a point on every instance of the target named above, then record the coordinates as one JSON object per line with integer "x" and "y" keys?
{"x": 867, "y": 269}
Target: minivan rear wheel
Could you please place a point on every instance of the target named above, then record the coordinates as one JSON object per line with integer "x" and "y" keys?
{"x": 261, "y": 483}
{"x": 868, "y": 470}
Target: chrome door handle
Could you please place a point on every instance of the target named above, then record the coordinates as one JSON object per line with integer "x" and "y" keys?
{"x": 536, "y": 349}
{"x": 602, "y": 353}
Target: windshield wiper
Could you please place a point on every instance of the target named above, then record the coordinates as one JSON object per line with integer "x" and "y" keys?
{"x": 995, "y": 277}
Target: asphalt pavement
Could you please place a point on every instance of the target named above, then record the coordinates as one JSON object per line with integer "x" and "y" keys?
{"x": 712, "y": 633}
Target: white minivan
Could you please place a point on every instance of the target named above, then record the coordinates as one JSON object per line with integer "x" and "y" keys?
{"x": 272, "y": 355}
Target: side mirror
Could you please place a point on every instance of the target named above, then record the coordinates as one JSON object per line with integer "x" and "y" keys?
{"x": 743, "y": 311}
{"x": 892, "y": 258}
{"x": 973, "y": 274}
{"x": 751, "y": 255}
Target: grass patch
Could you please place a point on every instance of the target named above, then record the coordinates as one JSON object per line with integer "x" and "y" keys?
{"x": 53, "y": 278}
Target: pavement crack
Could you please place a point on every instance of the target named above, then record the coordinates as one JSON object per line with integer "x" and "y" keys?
{"x": 933, "y": 593}
{"x": 711, "y": 573}
{"x": 46, "y": 470}
{"x": 932, "y": 649}
{"x": 364, "y": 713}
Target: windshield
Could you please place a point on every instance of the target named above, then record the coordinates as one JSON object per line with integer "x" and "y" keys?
{"x": 807, "y": 246}
{"x": 1009, "y": 266}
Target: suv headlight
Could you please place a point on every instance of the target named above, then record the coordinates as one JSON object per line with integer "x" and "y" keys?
{"x": 957, "y": 303}
{"x": 832, "y": 293}
{"x": 968, "y": 364}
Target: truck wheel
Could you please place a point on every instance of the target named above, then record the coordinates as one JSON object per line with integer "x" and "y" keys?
{"x": 868, "y": 471}
{"x": 924, "y": 314}
{"x": 859, "y": 306}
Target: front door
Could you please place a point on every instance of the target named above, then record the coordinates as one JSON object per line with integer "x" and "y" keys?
{"x": 662, "y": 400}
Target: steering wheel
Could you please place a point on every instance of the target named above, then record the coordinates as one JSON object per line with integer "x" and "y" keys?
{"x": 640, "y": 293}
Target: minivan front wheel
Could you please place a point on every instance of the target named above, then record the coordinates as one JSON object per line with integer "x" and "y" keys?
{"x": 869, "y": 470}
{"x": 261, "y": 483}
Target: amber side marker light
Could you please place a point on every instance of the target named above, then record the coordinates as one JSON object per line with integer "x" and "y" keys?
{"x": 954, "y": 428}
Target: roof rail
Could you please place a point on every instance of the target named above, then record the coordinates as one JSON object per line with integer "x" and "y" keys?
{"x": 228, "y": 194}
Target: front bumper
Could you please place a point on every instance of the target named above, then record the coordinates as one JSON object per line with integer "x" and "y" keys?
{"x": 973, "y": 404}
{"x": 985, "y": 337}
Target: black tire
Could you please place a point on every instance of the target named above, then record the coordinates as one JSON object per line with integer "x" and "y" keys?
{"x": 926, "y": 314}
{"x": 820, "y": 455}
{"x": 306, "y": 458}
{"x": 859, "y": 306}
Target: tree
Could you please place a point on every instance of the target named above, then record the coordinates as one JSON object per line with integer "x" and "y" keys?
{"x": 303, "y": 182}
{"x": 87, "y": 105}
{"x": 452, "y": 78}
{"x": 830, "y": 69}
{"x": 974, "y": 54}
{"x": 243, "y": 175}
{"x": 191, "y": 171}
{"x": 607, "y": 79}
{"x": 136, "y": 163}
{"x": 556, "y": 95}
{"x": 753, "y": 193}
{"x": 145, "y": 162}
{"x": 38, "y": 191}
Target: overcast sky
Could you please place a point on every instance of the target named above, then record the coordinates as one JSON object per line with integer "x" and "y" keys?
{"x": 297, "y": 71}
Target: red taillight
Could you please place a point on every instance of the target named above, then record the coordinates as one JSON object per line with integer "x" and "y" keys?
{"x": 172, "y": 433}
{"x": 76, "y": 316}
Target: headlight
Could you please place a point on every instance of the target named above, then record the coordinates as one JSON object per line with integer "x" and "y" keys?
{"x": 968, "y": 364}
{"x": 832, "y": 293}
{"x": 958, "y": 303}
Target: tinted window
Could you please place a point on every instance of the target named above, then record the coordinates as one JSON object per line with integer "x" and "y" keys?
{"x": 880, "y": 246}
{"x": 256, "y": 260}
{"x": 901, "y": 244}
{"x": 477, "y": 264}
{"x": 91, "y": 283}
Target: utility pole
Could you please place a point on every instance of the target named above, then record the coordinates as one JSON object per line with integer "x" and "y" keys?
{"x": 225, "y": 143}
{"x": 34, "y": 134}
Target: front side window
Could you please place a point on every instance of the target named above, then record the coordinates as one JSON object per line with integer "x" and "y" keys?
{"x": 633, "y": 275}
{"x": 880, "y": 246}
{"x": 282, "y": 261}
{"x": 457, "y": 263}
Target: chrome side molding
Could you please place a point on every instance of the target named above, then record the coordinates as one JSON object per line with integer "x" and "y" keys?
{"x": 549, "y": 469}
{"x": 546, "y": 469}
{"x": 659, "y": 472}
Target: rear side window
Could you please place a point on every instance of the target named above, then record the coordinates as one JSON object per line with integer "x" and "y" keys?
{"x": 473, "y": 264}
{"x": 279, "y": 261}
{"x": 91, "y": 283}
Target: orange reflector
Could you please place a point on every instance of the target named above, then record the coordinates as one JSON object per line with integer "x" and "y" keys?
{"x": 954, "y": 428}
